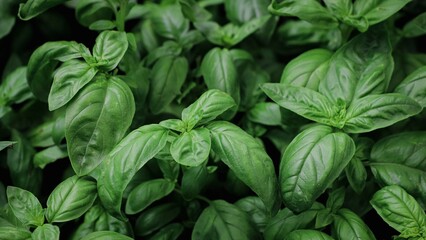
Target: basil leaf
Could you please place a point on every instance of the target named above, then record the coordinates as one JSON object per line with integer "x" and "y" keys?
{"x": 50, "y": 155}
{"x": 90, "y": 11}
{"x": 361, "y": 67}
{"x": 146, "y": 193}
{"x": 305, "y": 102}
{"x": 222, "y": 220}
{"x": 234, "y": 35}
{"x": 415, "y": 27}
{"x": 191, "y": 148}
{"x": 169, "y": 168}
{"x": 167, "y": 77}
{"x": 378, "y": 111}
{"x": 400, "y": 159}
{"x": 194, "y": 180}
{"x": 376, "y": 11}
{"x": 169, "y": 232}
{"x": 308, "y": 234}
{"x": 356, "y": 175}
{"x": 348, "y": 225}
{"x": 101, "y": 104}
{"x": 168, "y": 21}
{"x": 398, "y": 209}
{"x": 5, "y": 144}
{"x": 414, "y": 86}
{"x": 256, "y": 169}
{"x": 109, "y": 49}
{"x": 219, "y": 72}
{"x": 311, "y": 163}
{"x": 155, "y": 218}
{"x": 106, "y": 235}
{"x": 286, "y": 221}
{"x": 71, "y": 199}
{"x": 13, "y": 233}
{"x": 25, "y": 206}
{"x": 43, "y": 62}
{"x": 125, "y": 160}
{"x": 70, "y": 78}
{"x": 7, "y": 18}
{"x": 206, "y": 108}
{"x": 256, "y": 210}
{"x": 266, "y": 113}
{"x": 32, "y": 8}
{"x": 340, "y": 8}
{"x": 308, "y": 69}
{"x": 252, "y": 78}
{"x": 242, "y": 11}
{"x": 309, "y": 10}
{"x": 101, "y": 25}
{"x": 14, "y": 88}
{"x": 47, "y": 231}
{"x": 192, "y": 10}
{"x": 174, "y": 124}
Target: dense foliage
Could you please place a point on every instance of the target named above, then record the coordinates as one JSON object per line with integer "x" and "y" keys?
{"x": 212, "y": 119}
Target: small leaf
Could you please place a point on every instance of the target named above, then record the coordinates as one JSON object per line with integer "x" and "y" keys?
{"x": 5, "y": 144}
{"x": 32, "y": 8}
{"x": 398, "y": 209}
{"x": 25, "y": 206}
{"x": 14, "y": 88}
{"x": 376, "y": 11}
{"x": 256, "y": 209}
{"x": 146, "y": 193}
{"x": 415, "y": 27}
{"x": 50, "y": 155}
{"x": 47, "y": 231}
{"x": 266, "y": 113}
{"x": 155, "y": 218}
{"x": 109, "y": 49}
{"x": 71, "y": 199}
{"x": 414, "y": 86}
{"x": 222, "y": 220}
{"x": 348, "y": 225}
{"x": 191, "y": 148}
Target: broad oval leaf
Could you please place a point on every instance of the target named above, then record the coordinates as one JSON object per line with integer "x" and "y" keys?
{"x": 400, "y": 159}
{"x": 356, "y": 174}
{"x": 256, "y": 210}
{"x": 109, "y": 49}
{"x": 168, "y": 21}
{"x": 241, "y": 11}
{"x": 266, "y": 113}
{"x": 146, "y": 193}
{"x": 414, "y": 86}
{"x": 376, "y": 11}
{"x": 14, "y": 233}
{"x": 98, "y": 106}
{"x": 25, "y": 206}
{"x": 155, "y": 218}
{"x": 169, "y": 232}
{"x": 47, "y": 231}
{"x": 191, "y": 148}
{"x": 32, "y": 8}
{"x": 43, "y": 62}
{"x": 247, "y": 159}
{"x": 125, "y": 160}
{"x": 14, "y": 88}
{"x": 311, "y": 163}
{"x": 222, "y": 220}
{"x": 348, "y": 225}
{"x": 72, "y": 76}
{"x": 305, "y": 102}
{"x": 303, "y": 234}
{"x": 398, "y": 208}
{"x": 106, "y": 235}
{"x": 207, "y": 107}
{"x": 90, "y": 11}
{"x": 219, "y": 72}
{"x": 308, "y": 69}
{"x": 71, "y": 199}
{"x": 378, "y": 111}
{"x": 167, "y": 77}
{"x": 194, "y": 179}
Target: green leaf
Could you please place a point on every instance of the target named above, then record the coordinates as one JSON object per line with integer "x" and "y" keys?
{"x": 222, "y": 220}
{"x": 265, "y": 113}
{"x": 106, "y": 235}
{"x": 206, "y": 108}
{"x": 414, "y": 86}
{"x": 174, "y": 124}
{"x": 376, "y": 11}
{"x": 43, "y": 62}
{"x": 109, "y": 49}
{"x": 47, "y": 231}
{"x": 168, "y": 21}
{"x": 241, "y": 11}
{"x": 98, "y": 106}
{"x": 255, "y": 169}
{"x": 398, "y": 209}
{"x": 361, "y": 67}
{"x": 125, "y": 160}
{"x": 12, "y": 233}
{"x": 50, "y": 155}
{"x": 336, "y": 199}
{"x": 167, "y": 77}
{"x": 146, "y": 193}
{"x": 309, "y": 10}
{"x": 7, "y": 18}
{"x": 71, "y": 199}
{"x": 311, "y": 163}
{"x": 194, "y": 180}
{"x": 308, "y": 69}
{"x": 5, "y": 144}
{"x": 191, "y": 148}
{"x": 169, "y": 232}
{"x": 348, "y": 225}
{"x": 25, "y": 206}
{"x": 14, "y": 88}
{"x": 378, "y": 111}
{"x": 308, "y": 234}
{"x": 68, "y": 80}
{"x": 234, "y": 35}
{"x": 155, "y": 218}
{"x": 219, "y": 72}
{"x": 32, "y": 8}
{"x": 192, "y": 10}
{"x": 305, "y": 102}
{"x": 101, "y": 25}
{"x": 90, "y": 11}
{"x": 415, "y": 27}
{"x": 256, "y": 210}
{"x": 400, "y": 159}
{"x": 340, "y": 8}
{"x": 357, "y": 175}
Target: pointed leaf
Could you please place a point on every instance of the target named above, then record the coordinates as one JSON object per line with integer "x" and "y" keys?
{"x": 25, "y": 206}
{"x": 191, "y": 148}
{"x": 348, "y": 225}
{"x": 109, "y": 49}
{"x": 47, "y": 231}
